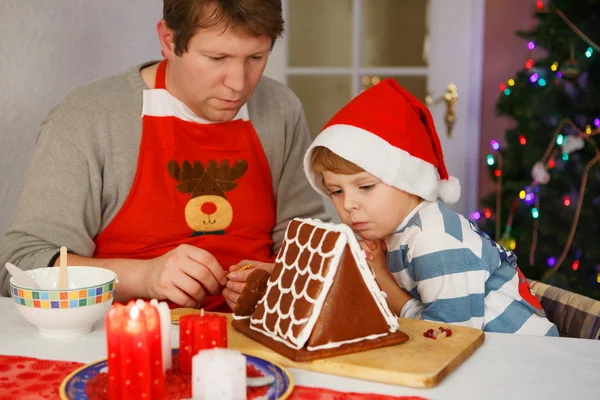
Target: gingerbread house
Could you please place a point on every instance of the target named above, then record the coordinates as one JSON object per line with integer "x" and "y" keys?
{"x": 322, "y": 298}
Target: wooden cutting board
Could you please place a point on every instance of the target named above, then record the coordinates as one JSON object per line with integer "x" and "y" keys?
{"x": 419, "y": 362}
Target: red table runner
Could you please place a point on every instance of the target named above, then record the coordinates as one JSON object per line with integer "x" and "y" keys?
{"x": 26, "y": 378}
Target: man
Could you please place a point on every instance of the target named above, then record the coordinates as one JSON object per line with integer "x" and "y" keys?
{"x": 172, "y": 172}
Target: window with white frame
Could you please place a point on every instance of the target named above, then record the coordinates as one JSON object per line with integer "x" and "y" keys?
{"x": 337, "y": 48}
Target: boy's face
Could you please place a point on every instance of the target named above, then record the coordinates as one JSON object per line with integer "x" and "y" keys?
{"x": 370, "y": 207}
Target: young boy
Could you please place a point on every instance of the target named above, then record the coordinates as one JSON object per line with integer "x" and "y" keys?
{"x": 380, "y": 161}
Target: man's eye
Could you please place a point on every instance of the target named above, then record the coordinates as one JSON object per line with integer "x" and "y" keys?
{"x": 335, "y": 192}
{"x": 367, "y": 187}
{"x": 257, "y": 58}
{"x": 217, "y": 58}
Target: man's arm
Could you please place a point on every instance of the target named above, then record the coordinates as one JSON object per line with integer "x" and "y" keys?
{"x": 131, "y": 274}
{"x": 59, "y": 206}
{"x": 184, "y": 275}
{"x": 295, "y": 197}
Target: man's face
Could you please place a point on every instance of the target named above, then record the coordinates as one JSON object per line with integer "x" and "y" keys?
{"x": 216, "y": 76}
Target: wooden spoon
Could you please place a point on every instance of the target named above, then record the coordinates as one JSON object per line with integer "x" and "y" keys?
{"x": 64, "y": 274}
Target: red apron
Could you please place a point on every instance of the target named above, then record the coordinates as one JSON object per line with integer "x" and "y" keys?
{"x": 197, "y": 182}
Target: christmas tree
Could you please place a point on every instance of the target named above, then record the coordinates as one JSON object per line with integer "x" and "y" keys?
{"x": 546, "y": 206}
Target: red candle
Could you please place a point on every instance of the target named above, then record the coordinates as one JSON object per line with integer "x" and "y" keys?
{"x": 186, "y": 344}
{"x": 199, "y": 332}
{"x": 114, "y": 325}
{"x": 134, "y": 349}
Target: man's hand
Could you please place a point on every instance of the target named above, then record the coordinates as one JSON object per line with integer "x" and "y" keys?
{"x": 185, "y": 276}
{"x": 375, "y": 251}
{"x": 237, "y": 279}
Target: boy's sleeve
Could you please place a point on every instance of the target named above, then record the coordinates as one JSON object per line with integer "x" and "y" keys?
{"x": 412, "y": 309}
{"x": 450, "y": 279}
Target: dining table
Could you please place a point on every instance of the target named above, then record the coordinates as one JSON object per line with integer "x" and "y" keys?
{"x": 506, "y": 366}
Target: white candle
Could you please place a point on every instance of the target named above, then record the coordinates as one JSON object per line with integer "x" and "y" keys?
{"x": 165, "y": 332}
{"x": 219, "y": 374}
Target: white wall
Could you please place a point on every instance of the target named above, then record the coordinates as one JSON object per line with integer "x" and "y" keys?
{"x": 46, "y": 48}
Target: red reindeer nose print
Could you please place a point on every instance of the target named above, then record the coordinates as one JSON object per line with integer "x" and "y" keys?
{"x": 208, "y": 208}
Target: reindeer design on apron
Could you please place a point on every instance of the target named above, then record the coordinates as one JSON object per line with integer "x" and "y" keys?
{"x": 208, "y": 211}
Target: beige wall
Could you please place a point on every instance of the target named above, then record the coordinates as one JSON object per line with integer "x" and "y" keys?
{"x": 504, "y": 54}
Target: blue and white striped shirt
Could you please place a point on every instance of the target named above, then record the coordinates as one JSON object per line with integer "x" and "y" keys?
{"x": 458, "y": 275}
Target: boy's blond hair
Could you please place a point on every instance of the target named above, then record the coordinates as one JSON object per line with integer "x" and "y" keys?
{"x": 322, "y": 159}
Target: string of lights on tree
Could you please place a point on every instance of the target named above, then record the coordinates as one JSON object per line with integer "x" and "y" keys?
{"x": 568, "y": 143}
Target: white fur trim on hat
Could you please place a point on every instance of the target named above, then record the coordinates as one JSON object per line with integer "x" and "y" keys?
{"x": 449, "y": 190}
{"x": 394, "y": 166}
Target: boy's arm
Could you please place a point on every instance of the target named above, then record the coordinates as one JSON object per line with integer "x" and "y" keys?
{"x": 450, "y": 280}
{"x": 397, "y": 297}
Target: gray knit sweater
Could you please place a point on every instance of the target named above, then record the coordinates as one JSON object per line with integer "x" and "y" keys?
{"x": 86, "y": 157}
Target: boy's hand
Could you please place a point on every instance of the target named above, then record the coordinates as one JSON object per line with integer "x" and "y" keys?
{"x": 375, "y": 251}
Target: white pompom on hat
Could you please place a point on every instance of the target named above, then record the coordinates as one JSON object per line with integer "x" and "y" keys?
{"x": 390, "y": 134}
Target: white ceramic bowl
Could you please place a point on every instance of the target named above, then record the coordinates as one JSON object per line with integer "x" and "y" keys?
{"x": 65, "y": 313}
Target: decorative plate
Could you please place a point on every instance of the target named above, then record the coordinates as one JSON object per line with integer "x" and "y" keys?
{"x": 73, "y": 386}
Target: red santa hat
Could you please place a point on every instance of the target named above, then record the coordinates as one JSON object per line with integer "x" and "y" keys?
{"x": 390, "y": 134}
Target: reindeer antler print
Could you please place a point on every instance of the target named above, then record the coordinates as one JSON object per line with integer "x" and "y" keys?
{"x": 194, "y": 180}
{"x": 226, "y": 176}
{"x": 187, "y": 176}
{"x": 208, "y": 210}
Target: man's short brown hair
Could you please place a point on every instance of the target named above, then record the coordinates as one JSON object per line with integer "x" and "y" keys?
{"x": 254, "y": 17}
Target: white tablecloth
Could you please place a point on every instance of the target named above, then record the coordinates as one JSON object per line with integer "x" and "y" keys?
{"x": 504, "y": 367}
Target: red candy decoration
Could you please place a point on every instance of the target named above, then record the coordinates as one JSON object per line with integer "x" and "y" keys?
{"x": 431, "y": 334}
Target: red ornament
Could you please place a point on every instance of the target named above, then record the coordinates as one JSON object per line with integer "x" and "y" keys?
{"x": 200, "y": 332}
{"x": 522, "y": 140}
{"x": 575, "y": 265}
{"x": 551, "y": 163}
{"x": 498, "y": 173}
{"x": 526, "y": 292}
